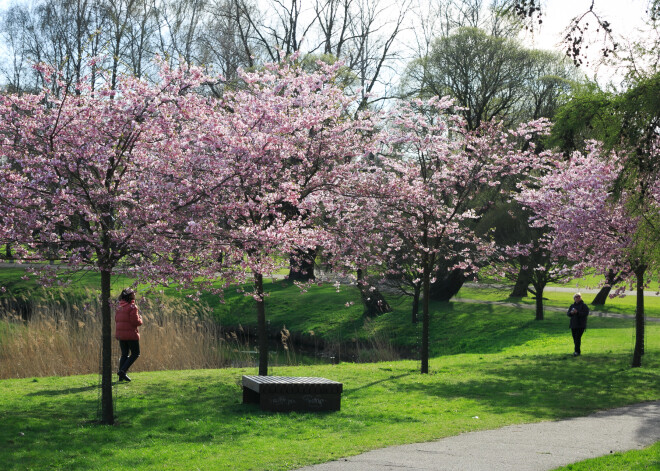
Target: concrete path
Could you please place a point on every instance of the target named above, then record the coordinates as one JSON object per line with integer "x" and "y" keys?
{"x": 530, "y": 447}
{"x": 556, "y": 289}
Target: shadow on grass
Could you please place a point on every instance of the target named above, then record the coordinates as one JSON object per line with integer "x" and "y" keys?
{"x": 63, "y": 392}
{"x": 549, "y": 386}
{"x": 162, "y": 412}
{"x": 348, "y": 392}
{"x": 483, "y": 329}
{"x": 479, "y": 328}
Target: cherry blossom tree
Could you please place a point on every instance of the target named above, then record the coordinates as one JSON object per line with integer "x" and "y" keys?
{"x": 99, "y": 179}
{"x": 287, "y": 138}
{"x": 356, "y": 243}
{"x": 428, "y": 182}
{"x": 592, "y": 222}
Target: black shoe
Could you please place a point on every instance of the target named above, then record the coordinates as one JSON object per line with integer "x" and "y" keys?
{"x": 575, "y": 354}
{"x": 123, "y": 377}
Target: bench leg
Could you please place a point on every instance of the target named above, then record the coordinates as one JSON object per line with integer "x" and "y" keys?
{"x": 250, "y": 396}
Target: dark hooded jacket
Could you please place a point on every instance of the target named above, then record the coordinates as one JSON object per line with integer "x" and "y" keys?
{"x": 579, "y": 318}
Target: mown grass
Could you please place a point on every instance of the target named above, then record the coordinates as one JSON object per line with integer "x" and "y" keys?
{"x": 595, "y": 281}
{"x": 647, "y": 459}
{"x": 489, "y": 361}
{"x": 518, "y": 371}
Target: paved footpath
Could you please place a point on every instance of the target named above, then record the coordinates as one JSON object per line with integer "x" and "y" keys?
{"x": 532, "y": 307}
{"x": 529, "y": 447}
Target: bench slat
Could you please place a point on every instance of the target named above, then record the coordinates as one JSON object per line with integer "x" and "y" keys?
{"x": 288, "y": 383}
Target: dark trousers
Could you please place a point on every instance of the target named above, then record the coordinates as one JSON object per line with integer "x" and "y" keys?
{"x": 577, "y": 338}
{"x": 128, "y": 346}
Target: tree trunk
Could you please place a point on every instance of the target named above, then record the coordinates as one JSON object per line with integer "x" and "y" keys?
{"x": 425, "y": 314}
{"x": 538, "y": 292}
{"x": 522, "y": 282}
{"x": 602, "y": 296}
{"x": 372, "y": 299}
{"x": 611, "y": 279}
{"x": 447, "y": 284}
{"x": 539, "y": 305}
{"x": 107, "y": 413}
{"x": 302, "y": 265}
{"x": 415, "y": 306}
{"x": 262, "y": 333}
{"x": 639, "y": 318}
{"x": 9, "y": 256}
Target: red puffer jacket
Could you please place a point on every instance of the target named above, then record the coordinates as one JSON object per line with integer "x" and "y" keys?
{"x": 127, "y": 319}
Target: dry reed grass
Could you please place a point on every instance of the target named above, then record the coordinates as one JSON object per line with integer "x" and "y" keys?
{"x": 62, "y": 338}
{"x": 55, "y": 337}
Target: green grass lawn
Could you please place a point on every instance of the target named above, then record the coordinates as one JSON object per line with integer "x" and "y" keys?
{"x": 492, "y": 362}
{"x": 635, "y": 460}
{"x": 518, "y": 371}
{"x": 594, "y": 282}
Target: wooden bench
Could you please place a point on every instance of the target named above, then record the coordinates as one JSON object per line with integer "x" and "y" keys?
{"x": 291, "y": 393}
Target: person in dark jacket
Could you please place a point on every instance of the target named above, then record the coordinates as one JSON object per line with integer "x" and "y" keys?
{"x": 578, "y": 313}
{"x": 127, "y": 320}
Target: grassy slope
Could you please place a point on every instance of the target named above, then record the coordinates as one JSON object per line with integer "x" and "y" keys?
{"x": 80, "y": 285}
{"x": 624, "y": 305}
{"x": 322, "y": 311}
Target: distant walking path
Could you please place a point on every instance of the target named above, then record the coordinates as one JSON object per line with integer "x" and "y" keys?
{"x": 529, "y": 447}
{"x": 556, "y": 289}
{"x": 593, "y": 312}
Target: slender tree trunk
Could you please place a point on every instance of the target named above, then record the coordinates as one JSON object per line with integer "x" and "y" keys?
{"x": 8, "y": 254}
{"x": 262, "y": 333}
{"x": 639, "y": 318}
{"x": 107, "y": 413}
{"x": 539, "y": 305}
{"x": 539, "y": 300}
{"x": 522, "y": 282}
{"x": 425, "y": 313}
{"x": 415, "y": 306}
{"x": 52, "y": 253}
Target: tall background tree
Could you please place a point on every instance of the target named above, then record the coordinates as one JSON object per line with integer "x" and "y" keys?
{"x": 492, "y": 77}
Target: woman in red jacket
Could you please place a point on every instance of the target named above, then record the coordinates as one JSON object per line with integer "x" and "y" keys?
{"x": 127, "y": 319}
